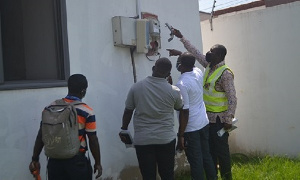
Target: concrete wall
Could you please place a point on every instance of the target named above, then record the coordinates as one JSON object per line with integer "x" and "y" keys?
{"x": 109, "y": 72}
{"x": 204, "y": 16}
{"x": 263, "y": 52}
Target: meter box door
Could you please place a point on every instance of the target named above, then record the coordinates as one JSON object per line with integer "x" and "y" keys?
{"x": 124, "y": 31}
{"x": 154, "y": 27}
{"x": 142, "y": 35}
{"x": 148, "y": 34}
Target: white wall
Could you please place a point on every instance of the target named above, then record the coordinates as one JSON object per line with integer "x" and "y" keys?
{"x": 263, "y": 52}
{"x": 109, "y": 72}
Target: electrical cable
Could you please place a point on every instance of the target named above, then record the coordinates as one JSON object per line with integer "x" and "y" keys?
{"x": 133, "y": 63}
{"x": 220, "y": 4}
{"x": 236, "y": 2}
{"x": 157, "y": 54}
{"x": 232, "y": 4}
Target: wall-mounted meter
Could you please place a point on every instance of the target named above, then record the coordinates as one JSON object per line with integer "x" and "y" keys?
{"x": 148, "y": 34}
{"x": 143, "y": 33}
{"x": 154, "y": 27}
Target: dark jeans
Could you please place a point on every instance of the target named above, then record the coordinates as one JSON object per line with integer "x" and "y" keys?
{"x": 156, "y": 155}
{"x": 219, "y": 148}
{"x": 198, "y": 154}
{"x": 76, "y": 168}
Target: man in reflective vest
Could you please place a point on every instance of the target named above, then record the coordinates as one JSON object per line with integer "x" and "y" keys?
{"x": 220, "y": 99}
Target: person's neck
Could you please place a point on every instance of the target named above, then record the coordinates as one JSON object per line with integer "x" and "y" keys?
{"x": 212, "y": 65}
{"x": 157, "y": 76}
{"x": 186, "y": 70}
{"x": 74, "y": 95}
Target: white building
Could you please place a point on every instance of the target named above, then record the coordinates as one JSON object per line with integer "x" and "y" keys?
{"x": 43, "y": 42}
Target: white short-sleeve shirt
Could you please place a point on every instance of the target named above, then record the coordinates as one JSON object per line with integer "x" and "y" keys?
{"x": 191, "y": 89}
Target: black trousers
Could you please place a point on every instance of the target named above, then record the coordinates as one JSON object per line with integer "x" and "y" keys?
{"x": 76, "y": 168}
{"x": 198, "y": 154}
{"x": 219, "y": 149}
{"x": 161, "y": 156}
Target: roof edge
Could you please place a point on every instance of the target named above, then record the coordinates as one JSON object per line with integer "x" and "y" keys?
{"x": 240, "y": 7}
{"x": 270, "y": 3}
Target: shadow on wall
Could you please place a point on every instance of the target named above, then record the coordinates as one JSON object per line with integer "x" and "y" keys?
{"x": 133, "y": 172}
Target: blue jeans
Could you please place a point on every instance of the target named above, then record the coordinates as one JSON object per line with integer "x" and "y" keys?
{"x": 198, "y": 154}
{"x": 156, "y": 155}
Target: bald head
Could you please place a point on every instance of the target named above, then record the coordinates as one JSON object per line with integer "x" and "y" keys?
{"x": 221, "y": 50}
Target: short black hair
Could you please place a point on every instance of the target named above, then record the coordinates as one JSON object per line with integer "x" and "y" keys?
{"x": 163, "y": 64}
{"x": 187, "y": 60}
{"x": 77, "y": 83}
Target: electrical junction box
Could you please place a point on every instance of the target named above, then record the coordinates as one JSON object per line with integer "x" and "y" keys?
{"x": 124, "y": 31}
{"x": 142, "y": 35}
{"x": 154, "y": 27}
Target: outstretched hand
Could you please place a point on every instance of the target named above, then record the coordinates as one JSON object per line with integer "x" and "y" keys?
{"x": 174, "y": 52}
{"x": 177, "y": 33}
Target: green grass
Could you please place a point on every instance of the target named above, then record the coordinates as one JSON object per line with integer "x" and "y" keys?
{"x": 260, "y": 168}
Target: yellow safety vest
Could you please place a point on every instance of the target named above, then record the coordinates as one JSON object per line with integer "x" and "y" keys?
{"x": 215, "y": 101}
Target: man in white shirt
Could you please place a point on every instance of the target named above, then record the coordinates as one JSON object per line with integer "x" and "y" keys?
{"x": 196, "y": 133}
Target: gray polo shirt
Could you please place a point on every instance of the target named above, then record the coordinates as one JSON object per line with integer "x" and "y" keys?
{"x": 154, "y": 101}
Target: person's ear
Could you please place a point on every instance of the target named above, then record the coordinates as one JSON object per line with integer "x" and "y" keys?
{"x": 153, "y": 69}
{"x": 83, "y": 92}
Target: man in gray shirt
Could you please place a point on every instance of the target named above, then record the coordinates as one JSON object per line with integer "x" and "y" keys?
{"x": 154, "y": 101}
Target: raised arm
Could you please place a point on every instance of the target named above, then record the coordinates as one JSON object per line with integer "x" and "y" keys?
{"x": 191, "y": 48}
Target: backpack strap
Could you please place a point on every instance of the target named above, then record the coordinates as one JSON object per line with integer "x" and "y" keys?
{"x": 62, "y": 102}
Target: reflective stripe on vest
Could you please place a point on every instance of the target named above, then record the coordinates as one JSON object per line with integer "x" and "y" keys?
{"x": 215, "y": 101}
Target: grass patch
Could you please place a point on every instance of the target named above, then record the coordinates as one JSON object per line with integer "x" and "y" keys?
{"x": 259, "y": 168}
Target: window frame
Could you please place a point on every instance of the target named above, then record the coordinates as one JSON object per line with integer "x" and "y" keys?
{"x": 63, "y": 56}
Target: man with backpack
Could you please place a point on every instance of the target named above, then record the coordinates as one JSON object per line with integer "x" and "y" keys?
{"x": 65, "y": 124}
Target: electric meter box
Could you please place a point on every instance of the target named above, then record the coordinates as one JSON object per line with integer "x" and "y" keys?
{"x": 124, "y": 31}
{"x": 154, "y": 27}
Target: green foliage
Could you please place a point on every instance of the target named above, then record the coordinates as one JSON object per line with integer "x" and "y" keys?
{"x": 266, "y": 168}
{"x": 260, "y": 168}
